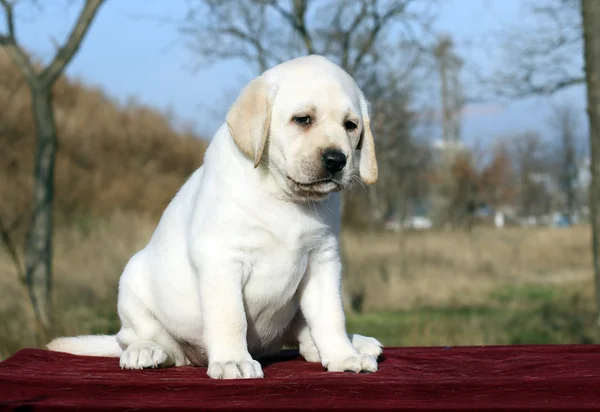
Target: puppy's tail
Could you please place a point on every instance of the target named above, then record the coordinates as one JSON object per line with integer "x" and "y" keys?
{"x": 93, "y": 345}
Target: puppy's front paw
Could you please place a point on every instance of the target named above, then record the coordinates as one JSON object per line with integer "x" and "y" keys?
{"x": 143, "y": 354}
{"x": 360, "y": 363}
{"x": 246, "y": 369}
{"x": 366, "y": 345}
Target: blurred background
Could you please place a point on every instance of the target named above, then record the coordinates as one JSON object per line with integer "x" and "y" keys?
{"x": 476, "y": 233}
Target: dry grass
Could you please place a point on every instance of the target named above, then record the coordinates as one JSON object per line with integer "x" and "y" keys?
{"x": 391, "y": 271}
{"x": 419, "y": 287}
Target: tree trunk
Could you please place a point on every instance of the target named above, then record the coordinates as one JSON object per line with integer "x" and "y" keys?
{"x": 590, "y": 10}
{"x": 38, "y": 252}
{"x": 570, "y": 170}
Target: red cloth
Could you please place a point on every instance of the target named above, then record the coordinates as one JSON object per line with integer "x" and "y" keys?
{"x": 460, "y": 378}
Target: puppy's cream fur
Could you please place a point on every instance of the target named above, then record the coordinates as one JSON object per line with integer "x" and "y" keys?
{"x": 245, "y": 257}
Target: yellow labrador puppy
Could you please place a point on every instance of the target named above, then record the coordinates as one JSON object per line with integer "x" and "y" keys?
{"x": 245, "y": 257}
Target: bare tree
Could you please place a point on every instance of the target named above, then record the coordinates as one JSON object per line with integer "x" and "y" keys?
{"x": 266, "y": 32}
{"x": 38, "y": 248}
{"x": 454, "y": 181}
{"x": 496, "y": 180}
{"x": 542, "y": 55}
{"x": 449, "y": 65}
{"x": 454, "y": 191}
{"x": 402, "y": 159}
{"x": 566, "y": 124}
{"x": 590, "y": 12}
{"x": 530, "y": 162}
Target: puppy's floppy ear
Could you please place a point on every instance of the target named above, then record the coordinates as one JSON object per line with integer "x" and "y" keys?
{"x": 249, "y": 119}
{"x": 368, "y": 160}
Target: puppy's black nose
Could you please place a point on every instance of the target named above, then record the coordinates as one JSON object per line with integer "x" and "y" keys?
{"x": 333, "y": 160}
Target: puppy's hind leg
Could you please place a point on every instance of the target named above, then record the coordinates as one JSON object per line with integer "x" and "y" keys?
{"x": 145, "y": 341}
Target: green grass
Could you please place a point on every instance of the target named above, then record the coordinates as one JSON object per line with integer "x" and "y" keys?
{"x": 531, "y": 314}
{"x": 535, "y": 293}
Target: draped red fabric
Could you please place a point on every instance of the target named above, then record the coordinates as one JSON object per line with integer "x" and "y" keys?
{"x": 457, "y": 378}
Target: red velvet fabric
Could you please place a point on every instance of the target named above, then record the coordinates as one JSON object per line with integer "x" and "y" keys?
{"x": 460, "y": 378}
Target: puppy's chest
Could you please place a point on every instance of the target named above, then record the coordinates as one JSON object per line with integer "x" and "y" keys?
{"x": 278, "y": 267}
{"x": 278, "y": 270}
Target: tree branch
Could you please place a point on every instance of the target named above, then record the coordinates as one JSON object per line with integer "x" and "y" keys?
{"x": 65, "y": 53}
{"x": 19, "y": 267}
{"x": 297, "y": 20}
{"x": 539, "y": 58}
{"x": 10, "y": 22}
{"x": 231, "y": 29}
{"x": 380, "y": 22}
{"x": 347, "y": 35}
{"x": 9, "y": 41}
{"x": 12, "y": 251}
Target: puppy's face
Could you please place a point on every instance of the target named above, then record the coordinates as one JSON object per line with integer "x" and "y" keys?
{"x": 307, "y": 121}
{"x": 316, "y": 128}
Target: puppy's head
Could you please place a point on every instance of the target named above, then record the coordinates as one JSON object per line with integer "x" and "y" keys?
{"x": 307, "y": 122}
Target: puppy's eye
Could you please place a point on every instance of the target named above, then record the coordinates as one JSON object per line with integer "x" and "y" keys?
{"x": 350, "y": 126}
{"x": 302, "y": 120}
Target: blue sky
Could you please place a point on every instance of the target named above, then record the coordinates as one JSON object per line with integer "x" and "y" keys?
{"x": 129, "y": 56}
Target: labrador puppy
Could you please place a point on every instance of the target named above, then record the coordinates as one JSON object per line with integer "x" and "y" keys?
{"x": 245, "y": 257}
